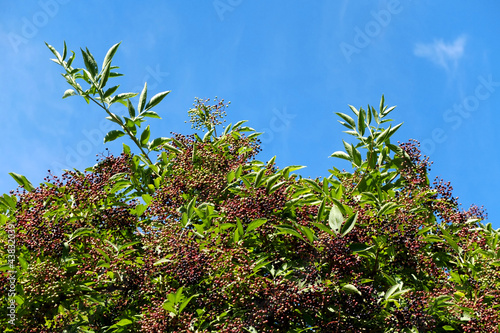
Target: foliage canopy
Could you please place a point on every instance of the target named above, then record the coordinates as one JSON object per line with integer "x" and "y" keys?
{"x": 193, "y": 234}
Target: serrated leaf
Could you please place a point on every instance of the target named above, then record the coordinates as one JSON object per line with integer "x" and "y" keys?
{"x": 113, "y": 135}
{"x": 156, "y": 99}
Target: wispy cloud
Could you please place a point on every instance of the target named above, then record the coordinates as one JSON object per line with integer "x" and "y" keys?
{"x": 445, "y": 55}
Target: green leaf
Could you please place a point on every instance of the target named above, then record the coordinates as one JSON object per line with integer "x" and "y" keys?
{"x": 124, "y": 322}
{"x": 335, "y": 219}
{"x": 353, "y": 109}
{"x": 361, "y": 122}
{"x": 185, "y": 303}
{"x": 258, "y": 178}
{"x": 349, "y": 149}
{"x": 307, "y": 231}
{"x": 54, "y": 51}
{"x": 65, "y": 51}
{"x": 104, "y": 77}
{"x": 131, "y": 109}
{"x": 323, "y": 227}
{"x": 321, "y": 210}
{"x": 312, "y": 184}
{"x": 23, "y": 181}
{"x": 348, "y": 119}
{"x": 157, "y": 142}
{"x": 145, "y": 136}
{"x": 70, "y": 60}
{"x": 360, "y": 247}
{"x": 393, "y": 130}
{"x": 171, "y": 148}
{"x": 349, "y": 224}
{"x": 113, "y": 135}
{"x": 386, "y": 112}
{"x": 161, "y": 261}
{"x": 142, "y": 98}
{"x": 122, "y": 97}
{"x": 342, "y": 155}
{"x": 448, "y": 328}
{"x": 109, "y": 55}
{"x": 90, "y": 63}
{"x": 69, "y": 92}
{"x": 150, "y": 114}
{"x": 288, "y": 230}
{"x": 110, "y": 91}
{"x": 357, "y": 160}
{"x": 351, "y": 289}
{"x": 391, "y": 290}
{"x": 255, "y": 224}
{"x": 239, "y": 227}
{"x": 383, "y": 136}
{"x": 387, "y": 208}
{"x": 271, "y": 181}
{"x": 156, "y": 99}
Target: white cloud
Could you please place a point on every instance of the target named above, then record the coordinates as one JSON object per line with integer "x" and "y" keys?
{"x": 442, "y": 54}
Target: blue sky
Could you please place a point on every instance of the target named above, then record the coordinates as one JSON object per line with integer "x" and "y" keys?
{"x": 286, "y": 67}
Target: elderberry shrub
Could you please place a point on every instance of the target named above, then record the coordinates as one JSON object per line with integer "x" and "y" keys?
{"x": 208, "y": 239}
